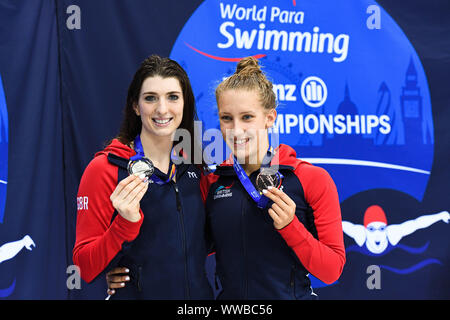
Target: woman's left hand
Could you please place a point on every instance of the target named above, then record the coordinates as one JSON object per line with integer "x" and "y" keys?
{"x": 116, "y": 278}
{"x": 282, "y": 210}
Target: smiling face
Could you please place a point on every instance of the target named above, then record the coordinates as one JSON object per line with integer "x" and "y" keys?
{"x": 244, "y": 123}
{"x": 160, "y": 106}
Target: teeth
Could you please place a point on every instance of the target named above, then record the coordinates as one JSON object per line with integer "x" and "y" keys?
{"x": 161, "y": 121}
{"x": 242, "y": 141}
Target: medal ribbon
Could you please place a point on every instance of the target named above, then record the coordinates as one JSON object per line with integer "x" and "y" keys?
{"x": 140, "y": 154}
{"x": 260, "y": 199}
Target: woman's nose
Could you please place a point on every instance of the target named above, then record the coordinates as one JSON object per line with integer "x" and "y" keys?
{"x": 238, "y": 126}
{"x": 162, "y": 107}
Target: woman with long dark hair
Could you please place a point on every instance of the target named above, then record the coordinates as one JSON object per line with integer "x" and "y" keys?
{"x": 142, "y": 209}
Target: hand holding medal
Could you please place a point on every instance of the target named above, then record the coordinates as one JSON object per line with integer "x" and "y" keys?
{"x": 268, "y": 183}
{"x": 129, "y": 192}
{"x": 282, "y": 210}
{"x": 127, "y": 195}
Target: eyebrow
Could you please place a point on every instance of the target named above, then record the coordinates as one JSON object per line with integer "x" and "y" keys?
{"x": 243, "y": 112}
{"x": 151, "y": 92}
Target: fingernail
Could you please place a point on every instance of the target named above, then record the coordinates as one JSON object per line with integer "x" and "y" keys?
{"x": 127, "y": 270}
{"x": 142, "y": 176}
{"x": 127, "y": 278}
{"x": 122, "y": 284}
{"x": 264, "y": 191}
{"x": 269, "y": 187}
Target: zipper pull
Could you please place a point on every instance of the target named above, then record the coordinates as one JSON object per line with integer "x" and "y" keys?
{"x": 178, "y": 196}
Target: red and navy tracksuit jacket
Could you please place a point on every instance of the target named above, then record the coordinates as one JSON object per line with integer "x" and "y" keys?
{"x": 165, "y": 250}
{"x": 256, "y": 261}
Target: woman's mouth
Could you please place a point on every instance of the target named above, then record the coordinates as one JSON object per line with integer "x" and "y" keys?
{"x": 162, "y": 122}
{"x": 239, "y": 143}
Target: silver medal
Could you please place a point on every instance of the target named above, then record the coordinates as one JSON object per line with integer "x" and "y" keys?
{"x": 268, "y": 177}
{"x": 141, "y": 166}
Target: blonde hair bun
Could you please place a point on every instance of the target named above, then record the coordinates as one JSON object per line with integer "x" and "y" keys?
{"x": 248, "y": 66}
{"x": 249, "y": 76}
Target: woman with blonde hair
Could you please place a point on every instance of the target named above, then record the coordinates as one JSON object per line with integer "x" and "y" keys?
{"x": 280, "y": 219}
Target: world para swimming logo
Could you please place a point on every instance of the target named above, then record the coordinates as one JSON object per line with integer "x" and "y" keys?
{"x": 349, "y": 97}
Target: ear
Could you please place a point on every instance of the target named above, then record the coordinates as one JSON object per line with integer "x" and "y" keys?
{"x": 271, "y": 116}
{"x": 136, "y": 109}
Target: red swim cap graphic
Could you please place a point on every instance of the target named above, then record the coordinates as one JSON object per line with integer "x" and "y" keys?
{"x": 374, "y": 213}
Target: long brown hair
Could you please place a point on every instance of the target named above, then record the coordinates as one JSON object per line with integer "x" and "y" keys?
{"x": 165, "y": 68}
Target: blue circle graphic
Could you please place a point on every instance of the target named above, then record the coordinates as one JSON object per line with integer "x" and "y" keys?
{"x": 352, "y": 93}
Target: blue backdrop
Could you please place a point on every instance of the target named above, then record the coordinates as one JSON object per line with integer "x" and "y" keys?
{"x": 362, "y": 88}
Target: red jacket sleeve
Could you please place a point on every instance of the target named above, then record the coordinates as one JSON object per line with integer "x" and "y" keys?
{"x": 325, "y": 257}
{"x": 97, "y": 239}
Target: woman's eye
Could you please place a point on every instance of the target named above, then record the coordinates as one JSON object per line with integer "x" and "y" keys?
{"x": 173, "y": 97}
{"x": 225, "y": 118}
{"x": 150, "y": 98}
{"x": 247, "y": 117}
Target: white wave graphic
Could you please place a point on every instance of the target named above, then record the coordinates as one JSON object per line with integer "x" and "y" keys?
{"x": 364, "y": 163}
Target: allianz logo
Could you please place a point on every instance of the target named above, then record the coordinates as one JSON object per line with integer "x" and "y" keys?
{"x": 313, "y": 91}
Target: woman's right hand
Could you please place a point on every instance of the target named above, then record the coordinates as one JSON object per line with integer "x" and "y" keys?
{"x": 127, "y": 195}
